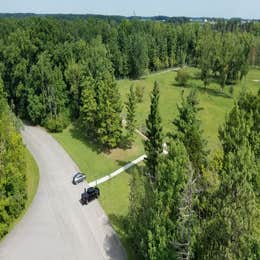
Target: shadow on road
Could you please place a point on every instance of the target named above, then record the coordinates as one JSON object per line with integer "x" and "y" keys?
{"x": 111, "y": 241}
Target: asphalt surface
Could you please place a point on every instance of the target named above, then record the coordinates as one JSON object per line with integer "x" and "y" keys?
{"x": 56, "y": 225}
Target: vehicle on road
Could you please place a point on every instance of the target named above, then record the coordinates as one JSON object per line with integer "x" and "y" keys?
{"x": 89, "y": 194}
{"x": 78, "y": 177}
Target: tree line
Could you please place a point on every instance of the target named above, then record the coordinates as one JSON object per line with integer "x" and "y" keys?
{"x": 13, "y": 192}
{"x": 186, "y": 205}
{"x": 52, "y": 67}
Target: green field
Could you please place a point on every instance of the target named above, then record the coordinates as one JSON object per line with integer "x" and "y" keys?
{"x": 32, "y": 179}
{"x": 90, "y": 160}
{"x": 214, "y": 103}
{"x": 114, "y": 194}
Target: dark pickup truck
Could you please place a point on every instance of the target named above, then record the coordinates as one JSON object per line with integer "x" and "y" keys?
{"x": 89, "y": 194}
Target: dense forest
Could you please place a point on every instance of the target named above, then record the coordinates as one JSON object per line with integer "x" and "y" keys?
{"x": 57, "y": 70}
{"x": 12, "y": 167}
{"x": 53, "y": 67}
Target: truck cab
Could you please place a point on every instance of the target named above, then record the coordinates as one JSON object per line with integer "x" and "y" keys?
{"x": 89, "y": 194}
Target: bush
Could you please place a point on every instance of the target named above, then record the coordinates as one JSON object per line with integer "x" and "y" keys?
{"x": 182, "y": 77}
{"x": 139, "y": 93}
{"x": 231, "y": 90}
{"x": 56, "y": 125}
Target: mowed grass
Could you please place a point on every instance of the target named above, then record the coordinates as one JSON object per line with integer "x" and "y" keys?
{"x": 214, "y": 103}
{"x": 90, "y": 160}
{"x": 115, "y": 193}
{"x": 32, "y": 175}
{"x": 115, "y": 201}
{"x": 32, "y": 181}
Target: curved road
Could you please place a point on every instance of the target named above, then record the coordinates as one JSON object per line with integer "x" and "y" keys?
{"x": 57, "y": 226}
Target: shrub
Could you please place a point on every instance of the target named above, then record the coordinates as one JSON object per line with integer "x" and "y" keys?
{"x": 182, "y": 77}
{"x": 57, "y": 124}
{"x": 139, "y": 93}
{"x": 231, "y": 90}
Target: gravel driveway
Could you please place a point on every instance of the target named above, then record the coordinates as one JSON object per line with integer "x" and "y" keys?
{"x": 57, "y": 226}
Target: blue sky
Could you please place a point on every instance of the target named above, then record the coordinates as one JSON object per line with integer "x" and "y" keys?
{"x": 216, "y": 8}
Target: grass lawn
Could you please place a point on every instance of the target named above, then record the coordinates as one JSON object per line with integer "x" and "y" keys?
{"x": 213, "y": 102}
{"x": 91, "y": 161}
{"x": 114, "y": 193}
{"x": 32, "y": 179}
{"x": 114, "y": 200}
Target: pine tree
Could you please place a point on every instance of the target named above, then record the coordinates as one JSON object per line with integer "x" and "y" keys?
{"x": 190, "y": 133}
{"x": 156, "y": 218}
{"x": 130, "y": 117}
{"x": 234, "y": 225}
{"x": 89, "y": 107}
{"x": 153, "y": 146}
{"x": 186, "y": 222}
{"x": 109, "y": 129}
{"x": 238, "y": 129}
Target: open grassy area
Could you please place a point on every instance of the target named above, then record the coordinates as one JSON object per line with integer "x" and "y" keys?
{"x": 215, "y": 104}
{"x": 114, "y": 193}
{"x": 32, "y": 179}
{"x": 90, "y": 160}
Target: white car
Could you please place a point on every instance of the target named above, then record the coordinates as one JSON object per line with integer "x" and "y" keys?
{"x": 78, "y": 177}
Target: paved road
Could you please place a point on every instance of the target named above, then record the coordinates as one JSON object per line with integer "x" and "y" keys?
{"x": 57, "y": 226}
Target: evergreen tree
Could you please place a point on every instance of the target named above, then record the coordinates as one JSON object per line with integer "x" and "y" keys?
{"x": 186, "y": 222}
{"x": 190, "y": 133}
{"x": 74, "y": 75}
{"x": 100, "y": 110}
{"x": 108, "y": 120}
{"x": 206, "y": 55}
{"x": 235, "y": 215}
{"x": 153, "y": 146}
{"x": 130, "y": 117}
{"x": 89, "y": 107}
{"x": 138, "y": 56}
{"x": 250, "y": 103}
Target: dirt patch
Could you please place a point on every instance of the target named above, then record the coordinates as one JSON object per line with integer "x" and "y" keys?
{"x": 121, "y": 154}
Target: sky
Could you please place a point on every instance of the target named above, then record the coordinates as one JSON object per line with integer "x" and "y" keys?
{"x": 191, "y": 8}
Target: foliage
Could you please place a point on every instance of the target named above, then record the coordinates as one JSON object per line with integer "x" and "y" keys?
{"x": 45, "y": 61}
{"x": 139, "y": 93}
{"x": 235, "y": 206}
{"x": 190, "y": 133}
{"x": 153, "y": 146}
{"x": 139, "y": 56}
{"x": 182, "y": 77}
{"x": 12, "y": 169}
{"x": 130, "y": 117}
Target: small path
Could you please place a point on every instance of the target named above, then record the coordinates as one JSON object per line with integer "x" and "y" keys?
{"x": 141, "y": 134}
{"x": 161, "y": 72}
{"x": 115, "y": 173}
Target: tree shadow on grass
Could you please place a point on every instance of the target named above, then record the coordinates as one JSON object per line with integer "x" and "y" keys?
{"x": 137, "y": 167}
{"x": 78, "y": 133}
{"x": 120, "y": 224}
{"x": 213, "y": 92}
{"x": 124, "y": 143}
{"x": 122, "y": 163}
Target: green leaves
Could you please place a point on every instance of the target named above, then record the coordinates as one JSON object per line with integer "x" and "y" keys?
{"x": 153, "y": 146}
{"x": 100, "y": 110}
{"x": 130, "y": 117}
{"x": 12, "y": 170}
{"x": 190, "y": 133}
